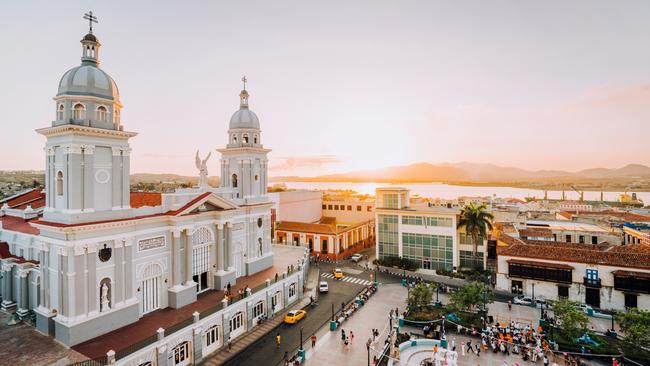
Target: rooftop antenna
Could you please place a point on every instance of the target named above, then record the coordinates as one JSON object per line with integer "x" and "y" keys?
{"x": 91, "y": 19}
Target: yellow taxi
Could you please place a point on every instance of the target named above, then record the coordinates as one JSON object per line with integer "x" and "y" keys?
{"x": 338, "y": 274}
{"x": 294, "y": 316}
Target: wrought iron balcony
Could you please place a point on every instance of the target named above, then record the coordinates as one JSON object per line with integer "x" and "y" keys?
{"x": 592, "y": 282}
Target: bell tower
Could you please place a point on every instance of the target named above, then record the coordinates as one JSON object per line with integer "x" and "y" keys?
{"x": 244, "y": 162}
{"x": 87, "y": 162}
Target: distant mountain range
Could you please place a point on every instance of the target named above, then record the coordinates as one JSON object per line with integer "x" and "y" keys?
{"x": 471, "y": 172}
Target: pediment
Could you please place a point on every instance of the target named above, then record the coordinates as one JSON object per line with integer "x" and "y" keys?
{"x": 206, "y": 203}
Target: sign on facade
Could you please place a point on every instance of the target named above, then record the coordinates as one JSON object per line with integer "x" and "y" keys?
{"x": 151, "y": 243}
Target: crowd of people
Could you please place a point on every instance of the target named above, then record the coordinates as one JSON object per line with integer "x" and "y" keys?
{"x": 241, "y": 293}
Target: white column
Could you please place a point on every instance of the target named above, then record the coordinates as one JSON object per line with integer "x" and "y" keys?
{"x": 188, "y": 257}
{"x": 176, "y": 257}
{"x": 218, "y": 246}
{"x": 228, "y": 246}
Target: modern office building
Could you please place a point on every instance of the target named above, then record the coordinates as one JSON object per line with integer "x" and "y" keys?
{"x": 422, "y": 232}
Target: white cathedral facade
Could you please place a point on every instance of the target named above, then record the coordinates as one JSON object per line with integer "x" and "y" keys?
{"x": 87, "y": 256}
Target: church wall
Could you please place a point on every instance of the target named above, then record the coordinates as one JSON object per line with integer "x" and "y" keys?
{"x": 102, "y": 189}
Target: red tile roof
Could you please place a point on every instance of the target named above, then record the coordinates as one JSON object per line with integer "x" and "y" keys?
{"x": 140, "y": 199}
{"x": 632, "y": 256}
{"x": 303, "y": 227}
{"x": 18, "y": 224}
{"x": 5, "y": 253}
{"x": 540, "y": 264}
{"x": 626, "y": 216}
{"x": 34, "y": 197}
{"x": 536, "y": 232}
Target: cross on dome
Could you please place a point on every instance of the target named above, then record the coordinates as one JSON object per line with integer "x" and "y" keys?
{"x": 91, "y": 19}
{"x": 244, "y": 80}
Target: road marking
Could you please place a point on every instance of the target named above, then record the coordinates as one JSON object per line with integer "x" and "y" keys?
{"x": 352, "y": 280}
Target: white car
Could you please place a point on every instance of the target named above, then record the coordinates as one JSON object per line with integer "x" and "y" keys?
{"x": 522, "y": 300}
{"x": 323, "y": 287}
{"x": 356, "y": 257}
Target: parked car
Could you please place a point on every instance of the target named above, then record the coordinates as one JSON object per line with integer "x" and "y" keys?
{"x": 356, "y": 257}
{"x": 338, "y": 273}
{"x": 522, "y": 300}
{"x": 323, "y": 287}
{"x": 294, "y": 316}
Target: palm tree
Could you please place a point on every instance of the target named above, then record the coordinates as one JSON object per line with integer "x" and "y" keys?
{"x": 477, "y": 221}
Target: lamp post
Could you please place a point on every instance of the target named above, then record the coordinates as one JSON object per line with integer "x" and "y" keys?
{"x": 437, "y": 292}
{"x": 368, "y": 349}
{"x": 300, "y": 348}
{"x": 533, "y": 297}
{"x": 332, "y": 311}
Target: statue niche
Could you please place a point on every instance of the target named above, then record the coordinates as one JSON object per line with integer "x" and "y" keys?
{"x": 105, "y": 295}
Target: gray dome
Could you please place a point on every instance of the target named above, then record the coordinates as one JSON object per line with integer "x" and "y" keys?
{"x": 89, "y": 80}
{"x": 244, "y": 118}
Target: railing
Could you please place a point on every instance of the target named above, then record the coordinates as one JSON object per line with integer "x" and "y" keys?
{"x": 99, "y": 361}
{"x": 179, "y": 326}
{"x": 136, "y": 347}
{"x": 592, "y": 282}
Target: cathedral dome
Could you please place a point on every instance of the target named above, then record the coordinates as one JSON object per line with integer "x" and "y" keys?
{"x": 88, "y": 80}
{"x": 244, "y": 118}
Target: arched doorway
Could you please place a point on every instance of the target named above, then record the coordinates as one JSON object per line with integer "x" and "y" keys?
{"x": 150, "y": 288}
{"x": 202, "y": 239}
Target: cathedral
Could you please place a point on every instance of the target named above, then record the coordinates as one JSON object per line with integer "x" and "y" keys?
{"x": 86, "y": 256}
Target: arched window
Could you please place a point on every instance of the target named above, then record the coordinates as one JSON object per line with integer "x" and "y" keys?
{"x": 101, "y": 113}
{"x": 59, "y": 183}
{"x": 234, "y": 139}
{"x": 255, "y": 139}
{"x": 78, "y": 111}
{"x": 245, "y": 138}
{"x": 234, "y": 180}
{"x": 59, "y": 113}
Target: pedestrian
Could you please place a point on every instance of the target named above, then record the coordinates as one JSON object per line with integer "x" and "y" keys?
{"x": 509, "y": 305}
{"x": 351, "y": 336}
{"x": 286, "y": 355}
{"x": 277, "y": 340}
{"x": 470, "y": 348}
{"x": 478, "y": 350}
{"x": 229, "y": 343}
{"x": 342, "y": 306}
{"x": 228, "y": 287}
{"x": 313, "y": 340}
{"x": 342, "y": 334}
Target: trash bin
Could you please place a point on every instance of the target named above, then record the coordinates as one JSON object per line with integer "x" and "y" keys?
{"x": 443, "y": 343}
{"x": 332, "y": 325}
{"x": 401, "y": 321}
{"x": 590, "y": 312}
{"x": 301, "y": 354}
{"x": 404, "y": 282}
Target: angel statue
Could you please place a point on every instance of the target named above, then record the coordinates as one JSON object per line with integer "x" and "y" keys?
{"x": 201, "y": 165}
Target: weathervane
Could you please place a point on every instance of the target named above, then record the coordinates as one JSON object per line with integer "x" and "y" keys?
{"x": 91, "y": 19}
{"x": 244, "y": 80}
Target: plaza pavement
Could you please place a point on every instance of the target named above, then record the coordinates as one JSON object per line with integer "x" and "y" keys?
{"x": 330, "y": 350}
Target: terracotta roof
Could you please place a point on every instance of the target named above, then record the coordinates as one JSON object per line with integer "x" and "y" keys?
{"x": 5, "y": 253}
{"x": 140, "y": 199}
{"x": 631, "y": 274}
{"x": 633, "y": 257}
{"x": 626, "y": 216}
{"x": 304, "y": 227}
{"x": 34, "y": 197}
{"x": 536, "y": 232}
{"x": 540, "y": 264}
{"x": 18, "y": 224}
{"x": 168, "y": 213}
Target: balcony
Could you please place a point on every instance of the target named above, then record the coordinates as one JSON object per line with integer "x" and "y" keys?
{"x": 592, "y": 282}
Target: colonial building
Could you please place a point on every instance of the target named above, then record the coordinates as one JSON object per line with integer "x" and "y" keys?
{"x": 603, "y": 276}
{"x": 424, "y": 233}
{"x": 87, "y": 256}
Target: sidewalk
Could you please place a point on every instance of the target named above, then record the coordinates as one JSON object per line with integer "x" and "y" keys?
{"x": 241, "y": 343}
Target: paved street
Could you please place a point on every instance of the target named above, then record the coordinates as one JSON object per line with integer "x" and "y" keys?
{"x": 264, "y": 352}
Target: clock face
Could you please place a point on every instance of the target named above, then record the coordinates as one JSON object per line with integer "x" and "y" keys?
{"x": 102, "y": 176}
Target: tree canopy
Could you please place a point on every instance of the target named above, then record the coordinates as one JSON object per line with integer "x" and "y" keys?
{"x": 573, "y": 321}
{"x": 470, "y": 296}
{"x": 477, "y": 222}
{"x": 419, "y": 296}
{"x": 635, "y": 324}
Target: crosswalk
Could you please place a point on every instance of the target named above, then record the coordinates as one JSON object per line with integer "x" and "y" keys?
{"x": 353, "y": 280}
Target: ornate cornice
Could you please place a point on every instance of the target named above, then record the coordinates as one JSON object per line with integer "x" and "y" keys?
{"x": 84, "y": 130}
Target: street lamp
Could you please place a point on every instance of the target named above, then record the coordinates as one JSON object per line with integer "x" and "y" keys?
{"x": 301, "y": 349}
{"x": 332, "y": 311}
{"x": 368, "y": 348}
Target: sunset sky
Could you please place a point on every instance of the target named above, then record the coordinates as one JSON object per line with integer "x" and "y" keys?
{"x": 346, "y": 85}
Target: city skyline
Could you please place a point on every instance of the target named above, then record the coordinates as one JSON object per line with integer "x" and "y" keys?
{"x": 423, "y": 84}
